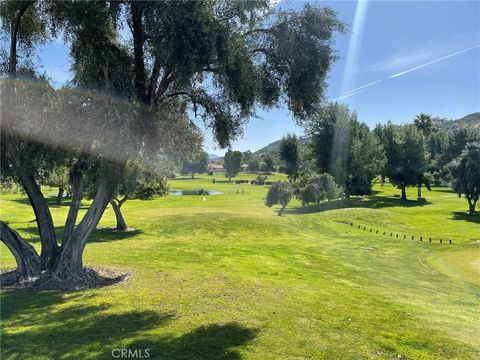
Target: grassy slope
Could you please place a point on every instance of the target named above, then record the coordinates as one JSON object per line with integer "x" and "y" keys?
{"x": 228, "y": 279}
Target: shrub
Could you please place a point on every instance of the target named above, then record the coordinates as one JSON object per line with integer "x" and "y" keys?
{"x": 315, "y": 188}
{"x": 260, "y": 180}
{"x": 281, "y": 193}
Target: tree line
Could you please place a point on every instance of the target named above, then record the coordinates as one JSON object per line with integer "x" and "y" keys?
{"x": 416, "y": 154}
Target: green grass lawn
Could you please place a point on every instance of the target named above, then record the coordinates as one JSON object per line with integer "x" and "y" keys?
{"x": 223, "y": 277}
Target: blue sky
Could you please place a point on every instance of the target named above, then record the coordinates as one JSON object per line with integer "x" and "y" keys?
{"x": 433, "y": 48}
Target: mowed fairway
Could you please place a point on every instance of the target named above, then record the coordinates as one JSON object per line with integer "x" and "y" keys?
{"x": 225, "y": 278}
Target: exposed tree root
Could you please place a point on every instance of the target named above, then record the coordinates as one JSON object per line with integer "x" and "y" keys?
{"x": 86, "y": 279}
{"x": 14, "y": 278}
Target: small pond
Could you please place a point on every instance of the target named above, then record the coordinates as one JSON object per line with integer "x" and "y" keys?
{"x": 195, "y": 192}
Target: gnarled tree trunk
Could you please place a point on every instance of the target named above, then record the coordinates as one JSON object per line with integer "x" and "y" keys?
{"x": 472, "y": 202}
{"x": 39, "y": 204}
{"x": 404, "y": 192}
{"x": 44, "y": 219}
{"x": 116, "y": 206}
{"x": 69, "y": 268}
{"x": 29, "y": 264}
{"x": 61, "y": 190}
{"x": 77, "y": 195}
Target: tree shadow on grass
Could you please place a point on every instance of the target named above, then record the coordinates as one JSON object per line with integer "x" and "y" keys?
{"x": 370, "y": 202}
{"x": 217, "y": 181}
{"x": 57, "y": 326}
{"x": 99, "y": 235}
{"x": 459, "y": 215}
{"x": 212, "y": 342}
{"x": 108, "y": 234}
{"x": 443, "y": 190}
{"x": 70, "y": 325}
{"x": 187, "y": 178}
{"x": 51, "y": 201}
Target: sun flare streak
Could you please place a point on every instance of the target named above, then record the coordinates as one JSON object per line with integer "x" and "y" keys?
{"x": 354, "y": 45}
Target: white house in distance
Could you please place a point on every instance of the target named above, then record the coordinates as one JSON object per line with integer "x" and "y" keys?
{"x": 216, "y": 168}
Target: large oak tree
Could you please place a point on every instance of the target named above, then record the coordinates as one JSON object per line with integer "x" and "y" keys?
{"x": 465, "y": 175}
{"x": 139, "y": 68}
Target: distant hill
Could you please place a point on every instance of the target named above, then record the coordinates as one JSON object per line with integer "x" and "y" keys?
{"x": 471, "y": 121}
{"x": 213, "y": 157}
{"x": 275, "y": 146}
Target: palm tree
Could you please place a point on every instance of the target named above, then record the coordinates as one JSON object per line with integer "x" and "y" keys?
{"x": 423, "y": 122}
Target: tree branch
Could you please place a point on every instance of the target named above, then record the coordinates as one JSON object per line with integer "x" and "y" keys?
{"x": 138, "y": 41}
{"x": 12, "y": 63}
{"x": 28, "y": 261}
{"x": 263, "y": 51}
{"x": 77, "y": 195}
{"x": 152, "y": 84}
{"x": 164, "y": 83}
{"x": 122, "y": 201}
{"x": 179, "y": 93}
{"x": 258, "y": 30}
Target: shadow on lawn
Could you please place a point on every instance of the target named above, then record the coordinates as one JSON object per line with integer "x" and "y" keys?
{"x": 459, "y": 215}
{"x": 215, "y": 341}
{"x": 371, "y": 202}
{"x": 99, "y": 235}
{"x": 51, "y": 201}
{"x": 58, "y": 325}
{"x": 444, "y": 190}
{"x": 187, "y": 178}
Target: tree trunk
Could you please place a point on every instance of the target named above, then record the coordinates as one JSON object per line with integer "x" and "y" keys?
{"x": 404, "y": 193}
{"x": 44, "y": 219}
{"x": 12, "y": 63}
{"x": 471, "y": 205}
{"x": 121, "y": 224}
{"x": 29, "y": 264}
{"x": 40, "y": 207}
{"x": 77, "y": 195}
{"x": 138, "y": 42}
{"x": 419, "y": 191}
{"x": 282, "y": 209}
{"x": 60, "y": 195}
{"x": 70, "y": 264}
{"x": 471, "y": 209}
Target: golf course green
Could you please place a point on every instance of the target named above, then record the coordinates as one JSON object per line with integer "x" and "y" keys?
{"x": 224, "y": 277}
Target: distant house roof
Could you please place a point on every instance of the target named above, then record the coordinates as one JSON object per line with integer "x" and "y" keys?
{"x": 216, "y": 168}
